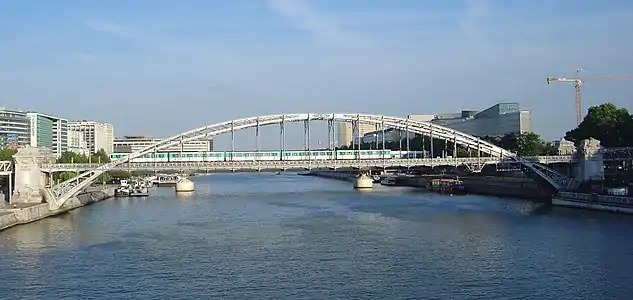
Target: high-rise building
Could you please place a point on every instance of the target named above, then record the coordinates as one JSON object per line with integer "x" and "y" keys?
{"x": 97, "y": 135}
{"x": 77, "y": 143}
{"x": 60, "y": 136}
{"x": 346, "y": 134}
{"x": 41, "y": 130}
{"x": 129, "y": 144}
{"x": 495, "y": 121}
{"x": 48, "y": 132}
{"x": 14, "y": 128}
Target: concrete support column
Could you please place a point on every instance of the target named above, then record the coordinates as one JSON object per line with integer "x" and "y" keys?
{"x": 590, "y": 163}
{"x": 30, "y": 181}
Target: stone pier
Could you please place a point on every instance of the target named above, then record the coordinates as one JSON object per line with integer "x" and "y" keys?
{"x": 590, "y": 163}
{"x": 30, "y": 181}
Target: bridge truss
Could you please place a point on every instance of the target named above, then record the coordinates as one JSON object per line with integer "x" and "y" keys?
{"x": 61, "y": 192}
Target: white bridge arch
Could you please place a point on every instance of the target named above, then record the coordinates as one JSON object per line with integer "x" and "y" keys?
{"x": 60, "y": 193}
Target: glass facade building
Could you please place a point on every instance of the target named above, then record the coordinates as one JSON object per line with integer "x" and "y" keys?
{"x": 498, "y": 120}
{"x": 48, "y": 131}
{"x": 14, "y": 128}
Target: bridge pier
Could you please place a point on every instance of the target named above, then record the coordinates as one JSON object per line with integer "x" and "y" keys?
{"x": 30, "y": 181}
{"x": 590, "y": 163}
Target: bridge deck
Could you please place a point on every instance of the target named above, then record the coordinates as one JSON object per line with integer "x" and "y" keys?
{"x": 302, "y": 164}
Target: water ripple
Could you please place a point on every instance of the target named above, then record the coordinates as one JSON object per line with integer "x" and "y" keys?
{"x": 259, "y": 236}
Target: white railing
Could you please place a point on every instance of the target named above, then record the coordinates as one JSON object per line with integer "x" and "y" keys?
{"x": 367, "y": 162}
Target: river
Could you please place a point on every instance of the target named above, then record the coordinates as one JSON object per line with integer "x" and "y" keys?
{"x": 266, "y": 236}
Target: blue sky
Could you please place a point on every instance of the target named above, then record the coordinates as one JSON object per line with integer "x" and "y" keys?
{"x": 160, "y": 67}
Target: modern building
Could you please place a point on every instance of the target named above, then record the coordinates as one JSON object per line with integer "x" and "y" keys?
{"x": 129, "y": 144}
{"x": 14, "y": 128}
{"x": 48, "y": 132}
{"x": 498, "y": 120}
{"x": 346, "y": 134}
{"x": 422, "y": 118}
{"x": 390, "y": 135}
{"x": 97, "y": 135}
{"x": 77, "y": 143}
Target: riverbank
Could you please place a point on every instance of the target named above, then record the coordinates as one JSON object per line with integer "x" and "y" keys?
{"x": 616, "y": 204}
{"x": 344, "y": 176}
{"x": 27, "y": 213}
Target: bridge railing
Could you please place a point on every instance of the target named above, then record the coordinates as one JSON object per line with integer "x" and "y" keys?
{"x": 390, "y": 161}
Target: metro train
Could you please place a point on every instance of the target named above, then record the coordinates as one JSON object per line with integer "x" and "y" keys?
{"x": 270, "y": 155}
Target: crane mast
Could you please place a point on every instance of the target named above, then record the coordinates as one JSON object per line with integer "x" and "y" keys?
{"x": 578, "y": 82}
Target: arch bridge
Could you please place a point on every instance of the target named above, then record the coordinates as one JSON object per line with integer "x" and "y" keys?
{"x": 60, "y": 193}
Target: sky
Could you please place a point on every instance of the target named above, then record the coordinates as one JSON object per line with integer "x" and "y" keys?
{"x": 159, "y": 67}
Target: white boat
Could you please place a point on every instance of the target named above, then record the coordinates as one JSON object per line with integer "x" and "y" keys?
{"x": 132, "y": 189}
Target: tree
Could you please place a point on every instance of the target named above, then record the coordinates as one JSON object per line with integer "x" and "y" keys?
{"x": 69, "y": 157}
{"x": 7, "y": 154}
{"x": 522, "y": 143}
{"x": 100, "y": 157}
{"x": 607, "y": 123}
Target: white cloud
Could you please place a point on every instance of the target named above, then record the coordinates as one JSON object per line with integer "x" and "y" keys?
{"x": 323, "y": 27}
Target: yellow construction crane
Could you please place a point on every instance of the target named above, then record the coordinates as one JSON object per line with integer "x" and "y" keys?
{"x": 578, "y": 82}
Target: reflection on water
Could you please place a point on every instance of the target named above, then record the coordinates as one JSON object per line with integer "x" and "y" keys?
{"x": 266, "y": 236}
{"x": 184, "y": 195}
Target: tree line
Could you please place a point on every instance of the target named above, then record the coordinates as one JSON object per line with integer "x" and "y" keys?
{"x": 69, "y": 157}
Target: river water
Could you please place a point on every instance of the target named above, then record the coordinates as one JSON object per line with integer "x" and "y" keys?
{"x": 265, "y": 236}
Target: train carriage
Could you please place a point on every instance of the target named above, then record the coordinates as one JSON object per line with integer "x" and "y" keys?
{"x": 252, "y": 156}
{"x": 213, "y": 156}
{"x": 375, "y": 154}
{"x": 346, "y": 154}
{"x": 308, "y": 155}
{"x": 186, "y": 156}
{"x": 149, "y": 157}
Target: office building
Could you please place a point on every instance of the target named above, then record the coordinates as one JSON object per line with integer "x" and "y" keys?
{"x": 47, "y": 131}
{"x": 498, "y": 120}
{"x": 77, "y": 143}
{"x": 390, "y": 135}
{"x": 423, "y": 118}
{"x": 14, "y": 128}
{"x": 346, "y": 134}
{"x": 97, "y": 135}
{"x": 129, "y": 144}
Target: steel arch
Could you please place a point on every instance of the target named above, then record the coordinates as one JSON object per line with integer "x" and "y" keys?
{"x": 413, "y": 126}
{"x": 61, "y": 192}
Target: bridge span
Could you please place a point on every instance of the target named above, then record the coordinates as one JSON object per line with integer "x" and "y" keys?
{"x": 475, "y": 163}
{"x": 57, "y": 195}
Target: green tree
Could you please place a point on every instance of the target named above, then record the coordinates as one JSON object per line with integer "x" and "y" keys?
{"x": 529, "y": 144}
{"x": 7, "y": 154}
{"x": 100, "y": 157}
{"x": 611, "y": 125}
{"x": 69, "y": 157}
{"x": 523, "y": 144}
{"x": 63, "y": 176}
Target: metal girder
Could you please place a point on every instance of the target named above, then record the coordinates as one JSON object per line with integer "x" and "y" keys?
{"x": 6, "y": 167}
